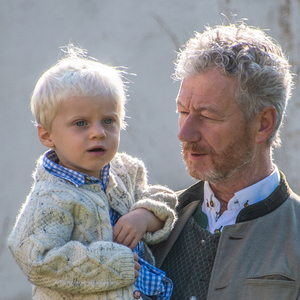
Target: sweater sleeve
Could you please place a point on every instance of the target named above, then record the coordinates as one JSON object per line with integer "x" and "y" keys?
{"x": 42, "y": 244}
{"x": 158, "y": 199}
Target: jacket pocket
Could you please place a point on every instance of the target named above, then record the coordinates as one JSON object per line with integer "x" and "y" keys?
{"x": 273, "y": 286}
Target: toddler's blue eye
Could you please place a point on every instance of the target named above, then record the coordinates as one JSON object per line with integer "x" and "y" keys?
{"x": 108, "y": 121}
{"x": 80, "y": 123}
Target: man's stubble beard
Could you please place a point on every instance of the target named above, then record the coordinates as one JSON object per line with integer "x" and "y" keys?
{"x": 235, "y": 158}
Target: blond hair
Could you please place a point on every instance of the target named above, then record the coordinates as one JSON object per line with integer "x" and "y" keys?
{"x": 76, "y": 75}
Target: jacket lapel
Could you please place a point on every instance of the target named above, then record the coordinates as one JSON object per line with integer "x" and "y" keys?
{"x": 161, "y": 251}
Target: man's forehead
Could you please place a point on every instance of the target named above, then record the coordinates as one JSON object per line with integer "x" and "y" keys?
{"x": 190, "y": 98}
{"x": 216, "y": 101}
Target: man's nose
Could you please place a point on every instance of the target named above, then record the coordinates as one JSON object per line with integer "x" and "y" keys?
{"x": 189, "y": 130}
{"x": 97, "y": 132}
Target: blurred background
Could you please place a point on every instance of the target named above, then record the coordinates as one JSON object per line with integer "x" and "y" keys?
{"x": 142, "y": 36}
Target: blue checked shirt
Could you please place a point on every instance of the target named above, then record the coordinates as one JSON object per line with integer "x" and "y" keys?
{"x": 151, "y": 281}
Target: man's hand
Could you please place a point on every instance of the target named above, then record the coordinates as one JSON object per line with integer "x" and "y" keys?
{"x": 131, "y": 227}
{"x": 137, "y": 266}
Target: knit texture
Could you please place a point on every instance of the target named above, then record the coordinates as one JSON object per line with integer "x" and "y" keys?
{"x": 62, "y": 239}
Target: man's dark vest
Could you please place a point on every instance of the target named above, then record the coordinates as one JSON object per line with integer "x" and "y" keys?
{"x": 192, "y": 256}
{"x": 194, "y": 253}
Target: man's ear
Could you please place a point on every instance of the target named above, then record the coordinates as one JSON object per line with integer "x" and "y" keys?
{"x": 45, "y": 136}
{"x": 266, "y": 124}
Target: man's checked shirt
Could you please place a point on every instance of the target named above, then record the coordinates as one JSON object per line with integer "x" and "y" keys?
{"x": 151, "y": 281}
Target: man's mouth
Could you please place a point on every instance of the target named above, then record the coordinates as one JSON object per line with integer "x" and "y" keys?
{"x": 196, "y": 153}
{"x": 194, "y": 149}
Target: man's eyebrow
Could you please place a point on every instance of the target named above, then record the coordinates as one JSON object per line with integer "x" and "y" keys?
{"x": 199, "y": 109}
{"x": 179, "y": 103}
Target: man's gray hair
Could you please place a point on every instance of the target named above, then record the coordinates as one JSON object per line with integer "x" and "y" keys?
{"x": 247, "y": 53}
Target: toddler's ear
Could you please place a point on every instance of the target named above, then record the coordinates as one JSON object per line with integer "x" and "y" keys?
{"x": 45, "y": 137}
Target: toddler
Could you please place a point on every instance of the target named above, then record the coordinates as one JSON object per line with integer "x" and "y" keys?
{"x": 89, "y": 206}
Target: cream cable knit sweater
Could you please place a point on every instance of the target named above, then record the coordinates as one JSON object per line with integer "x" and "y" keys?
{"x": 62, "y": 239}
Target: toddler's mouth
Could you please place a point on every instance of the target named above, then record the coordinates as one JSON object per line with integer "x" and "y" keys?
{"x": 97, "y": 149}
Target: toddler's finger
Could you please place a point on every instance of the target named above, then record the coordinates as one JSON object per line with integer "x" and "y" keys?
{"x": 134, "y": 243}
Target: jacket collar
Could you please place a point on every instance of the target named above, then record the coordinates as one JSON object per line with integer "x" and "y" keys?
{"x": 251, "y": 212}
{"x": 266, "y": 206}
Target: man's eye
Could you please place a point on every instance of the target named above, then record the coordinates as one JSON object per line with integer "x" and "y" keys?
{"x": 108, "y": 121}
{"x": 182, "y": 113}
{"x": 80, "y": 123}
{"x": 207, "y": 117}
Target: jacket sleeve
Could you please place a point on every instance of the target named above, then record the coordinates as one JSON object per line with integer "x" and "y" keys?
{"x": 158, "y": 199}
{"x": 41, "y": 243}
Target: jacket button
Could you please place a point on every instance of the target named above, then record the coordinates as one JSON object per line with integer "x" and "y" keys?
{"x": 136, "y": 294}
{"x": 246, "y": 204}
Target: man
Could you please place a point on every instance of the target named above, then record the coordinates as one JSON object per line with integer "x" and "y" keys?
{"x": 238, "y": 232}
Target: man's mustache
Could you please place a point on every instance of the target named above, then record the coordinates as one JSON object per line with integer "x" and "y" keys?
{"x": 195, "y": 147}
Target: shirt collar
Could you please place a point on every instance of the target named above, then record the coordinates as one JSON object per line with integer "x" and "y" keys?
{"x": 50, "y": 163}
{"x": 247, "y": 196}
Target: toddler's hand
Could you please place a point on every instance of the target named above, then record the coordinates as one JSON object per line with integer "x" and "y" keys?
{"x": 130, "y": 228}
{"x": 137, "y": 266}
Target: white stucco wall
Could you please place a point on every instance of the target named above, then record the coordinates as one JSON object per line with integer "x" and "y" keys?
{"x": 142, "y": 36}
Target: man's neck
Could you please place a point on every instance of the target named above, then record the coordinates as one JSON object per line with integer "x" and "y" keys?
{"x": 225, "y": 189}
